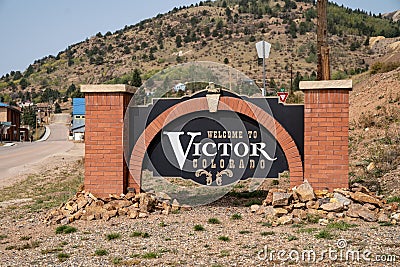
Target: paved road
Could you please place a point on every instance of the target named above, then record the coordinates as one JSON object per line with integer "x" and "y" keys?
{"x": 17, "y": 159}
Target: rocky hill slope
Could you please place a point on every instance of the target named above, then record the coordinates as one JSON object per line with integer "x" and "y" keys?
{"x": 219, "y": 31}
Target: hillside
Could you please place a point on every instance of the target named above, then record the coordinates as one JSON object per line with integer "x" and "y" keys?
{"x": 375, "y": 131}
{"x": 220, "y": 31}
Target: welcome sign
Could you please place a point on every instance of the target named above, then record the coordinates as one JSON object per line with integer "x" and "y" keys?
{"x": 216, "y": 147}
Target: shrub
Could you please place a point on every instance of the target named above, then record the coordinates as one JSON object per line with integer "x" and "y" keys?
{"x": 213, "y": 221}
{"x": 65, "y": 229}
{"x": 113, "y": 236}
{"x": 101, "y": 252}
{"x": 198, "y": 227}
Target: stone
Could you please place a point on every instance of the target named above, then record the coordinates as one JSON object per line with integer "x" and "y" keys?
{"x": 269, "y": 212}
{"x": 82, "y": 202}
{"x": 254, "y": 208}
{"x": 146, "y": 202}
{"x": 280, "y": 211}
{"x": 367, "y": 215}
{"x": 186, "y": 207}
{"x": 371, "y": 166}
{"x": 268, "y": 200}
{"x": 342, "y": 199}
{"x": 133, "y": 213}
{"x": 109, "y": 214}
{"x": 323, "y": 200}
{"x": 130, "y": 195}
{"x": 162, "y": 196}
{"x": 304, "y": 191}
{"x": 332, "y": 206}
{"x": 353, "y": 210}
{"x": 312, "y": 204}
{"x": 299, "y": 213}
{"x": 339, "y": 215}
{"x": 143, "y": 215}
{"x": 364, "y": 198}
{"x": 342, "y": 192}
{"x": 321, "y": 213}
{"x": 122, "y": 211}
{"x": 356, "y": 187}
{"x": 280, "y": 199}
{"x": 321, "y": 193}
{"x": 323, "y": 222}
{"x": 64, "y": 221}
{"x": 395, "y": 216}
{"x": 78, "y": 215}
{"x": 299, "y": 205}
{"x": 286, "y": 219}
{"x": 166, "y": 210}
{"x": 369, "y": 206}
{"x": 92, "y": 197}
{"x": 382, "y": 217}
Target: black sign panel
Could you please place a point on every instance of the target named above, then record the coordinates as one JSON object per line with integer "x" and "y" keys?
{"x": 217, "y": 148}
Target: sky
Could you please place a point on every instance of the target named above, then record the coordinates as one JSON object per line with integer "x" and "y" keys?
{"x": 33, "y": 29}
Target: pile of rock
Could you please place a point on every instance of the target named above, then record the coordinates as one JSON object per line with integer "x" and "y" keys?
{"x": 302, "y": 203}
{"x": 86, "y": 206}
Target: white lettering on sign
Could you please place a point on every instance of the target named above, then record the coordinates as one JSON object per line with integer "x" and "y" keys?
{"x": 211, "y": 149}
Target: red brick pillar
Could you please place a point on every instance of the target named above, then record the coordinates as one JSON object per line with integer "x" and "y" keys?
{"x": 326, "y": 133}
{"x": 106, "y": 171}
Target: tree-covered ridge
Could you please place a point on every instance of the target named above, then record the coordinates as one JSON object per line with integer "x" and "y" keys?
{"x": 223, "y": 31}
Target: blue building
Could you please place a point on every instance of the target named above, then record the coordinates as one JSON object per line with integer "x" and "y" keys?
{"x": 78, "y": 119}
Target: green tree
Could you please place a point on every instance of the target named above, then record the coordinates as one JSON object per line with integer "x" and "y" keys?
{"x": 24, "y": 83}
{"x": 57, "y": 108}
{"x": 136, "y": 79}
{"x": 178, "y": 41}
{"x": 28, "y": 117}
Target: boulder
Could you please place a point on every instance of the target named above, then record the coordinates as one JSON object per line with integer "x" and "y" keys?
{"x": 299, "y": 205}
{"x": 286, "y": 219}
{"x": 368, "y": 215}
{"x": 342, "y": 199}
{"x": 299, "y": 213}
{"x": 146, "y": 202}
{"x": 280, "y": 199}
{"x": 312, "y": 204}
{"x": 353, "y": 210}
{"x": 254, "y": 208}
{"x": 279, "y": 212}
{"x": 304, "y": 191}
{"x": 332, "y": 207}
{"x": 364, "y": 198}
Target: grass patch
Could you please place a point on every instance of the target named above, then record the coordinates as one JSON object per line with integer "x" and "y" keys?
{"x": 48, "y": 188}
{"x": 113, "y": 236}
{"x": 324, "y": 234}
{"x": 62, "y": 256}
{"x": 224, "y": 238}
{"x": 117, "y": 260}
{"x": 140, "y": 234}
{"x": 342, "y": 225}
{"x": 25, "y": 238}
{"x": 3, "y": 237}
{"x": 291, "y": 238}
{"x": 101, "y": 252}
{"x": 266, "y": 224}
{"x": 393, "y": 199}
{"x": 236, "y": 216}
{"x": 50, "y": 250}
{"x": 312, "y": 218}
{"x": 162, "y": 224}
{"x": 297, "y": 225}
{"x": 267, "y": 233}
{"x": 244, "y": 232}
{"x": 151, "y": 255}
{"x": 198, "y": 227}
{"x": 213, "y": 221}
{"x": 65, "y": 229}
{"x": 224, "y": 253}
{"x": 307, "y": 230}
{"x": 385, "y": 224}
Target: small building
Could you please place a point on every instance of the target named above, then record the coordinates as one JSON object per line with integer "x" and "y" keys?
{"x": 10, "y": 121}
{"x": 180, "y": 87}
{"x": 78, "y": 119}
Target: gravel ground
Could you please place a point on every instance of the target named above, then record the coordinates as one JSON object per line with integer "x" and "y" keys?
{"x": 172, "y": 240}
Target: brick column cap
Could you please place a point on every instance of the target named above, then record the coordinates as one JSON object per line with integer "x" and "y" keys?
{"x": 326, "y": 85}
{"x": 107, "y": 88}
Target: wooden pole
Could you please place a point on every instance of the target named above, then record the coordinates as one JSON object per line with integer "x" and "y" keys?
{"x": 323, "y": 69}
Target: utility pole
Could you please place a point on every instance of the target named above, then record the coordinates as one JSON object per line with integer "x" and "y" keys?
{"x": 323, "y": 69}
